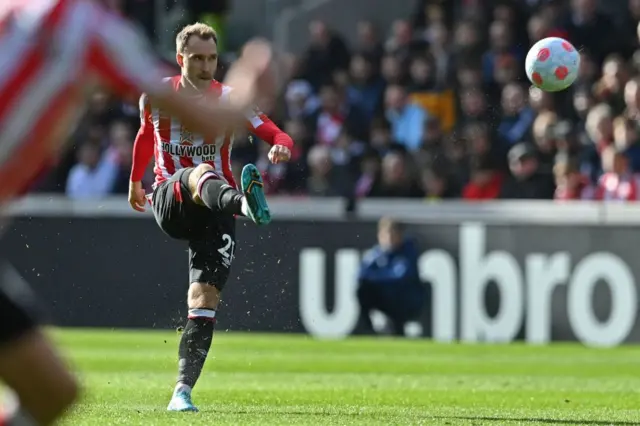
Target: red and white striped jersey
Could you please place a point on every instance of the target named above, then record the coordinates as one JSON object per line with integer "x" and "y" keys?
{"x": 52, "y": 54}
{"x": 614, "y": 187}
{"x": 176, "y": 147}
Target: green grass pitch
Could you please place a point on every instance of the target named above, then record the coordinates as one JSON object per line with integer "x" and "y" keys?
{"x": 263, "y": 379}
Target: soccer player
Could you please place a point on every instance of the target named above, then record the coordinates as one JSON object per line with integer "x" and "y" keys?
{"x": 53, "y": 52}
{"x": 195, "y": 196}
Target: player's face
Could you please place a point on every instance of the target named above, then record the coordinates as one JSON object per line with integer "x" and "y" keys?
{"x": 389, "y": 239}
{"x": 200, "y": 61}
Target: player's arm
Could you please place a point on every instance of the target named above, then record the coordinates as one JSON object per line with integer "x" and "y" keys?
{"x": 122, "y": 59}
{"x": 260, "y": 125}
{"x": 142, "y": 154}
{"x": 143, "y": 145}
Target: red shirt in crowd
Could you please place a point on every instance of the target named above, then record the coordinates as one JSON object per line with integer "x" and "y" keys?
{"x": 489, "y": 191}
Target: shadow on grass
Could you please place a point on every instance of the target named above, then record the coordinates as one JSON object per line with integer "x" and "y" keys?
{"x": 540, "y": 420}
{"x": 466, "y": 418}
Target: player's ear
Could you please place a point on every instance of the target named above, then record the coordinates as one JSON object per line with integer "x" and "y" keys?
{"x": 180, "y": 59}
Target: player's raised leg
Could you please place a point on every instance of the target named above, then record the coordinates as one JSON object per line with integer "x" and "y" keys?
{"x": 209, "y": 189}
{"x": 253, "y": 189}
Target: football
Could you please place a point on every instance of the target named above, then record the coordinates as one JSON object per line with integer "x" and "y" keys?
{"x": 552, "y": 64}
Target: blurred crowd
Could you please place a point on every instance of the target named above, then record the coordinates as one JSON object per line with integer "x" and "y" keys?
{"x": 435, "y": 107}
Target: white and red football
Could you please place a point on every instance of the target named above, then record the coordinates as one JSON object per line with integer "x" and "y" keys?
{"x": 552, "y": 64}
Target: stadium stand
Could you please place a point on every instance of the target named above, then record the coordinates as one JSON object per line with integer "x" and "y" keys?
{"x": 435, "y": 107}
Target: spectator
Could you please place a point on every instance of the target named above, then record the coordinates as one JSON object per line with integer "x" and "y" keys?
{"x": 632, "y": 99}
{"x": 347, "y": 152}
{"x": 392, "y": 70}
{"x": 517, "y": 116}
{"x": 407, "y": 119}
{"x": 94, "y": 175}
{"x": 473, "y": 107}
{"x": 300, "y": 101}
{"x": 438, "y": 184}
{"x": 486, "y": 181}
{"x": 526, "y": 182}
{"x": 479, "y": 144}
{"x": 538, "y": 28}
{"x": 334, "y": 114}
{"x": 583, "y": 101}
{"x": 544, "y": 139}
{"x": 618, "y": 183}
{"x": 367, "y": 88}
{"x": 513, "y": 14}
{"x": 369, "y": 44}
{"x": 432, "y": 145}
{"x": 438, "y": 36}
{"x": 326, "y": 54}
{"x": 566, "y": 142}
{"x": 502, "y": 44}
{"x": 381, "y": 138}
{"x": 429, "y": 93}
{"x": 402, "y": 43}
{"x": 325, "y": 180}
{"x": 369, "y": 180}
{"x": 121, "y": 144}
{"x": 570, "y": 183}
{"x": 423, "y": 74}
{"x": 586, "y": 25}
{"x": 397, "y": 179}
{"x": 468, "y": 75}
{"x": 430, "y": 12}
{"x": 507, "y": 69}
{"x": 588, "y": 69}
{"x": 389, "y": 281}
{"x": 629, "y": 28}
{"x": 541, "y": 101}
{"x": 610, "y": 88}
{"x": 599, "y": 128}
{"x": 467, "y": 43}
{"x": 626, "y": 141}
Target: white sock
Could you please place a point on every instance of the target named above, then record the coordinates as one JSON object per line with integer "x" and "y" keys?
{"x": 245, "y": 207}
{"x": 181, "y": 387}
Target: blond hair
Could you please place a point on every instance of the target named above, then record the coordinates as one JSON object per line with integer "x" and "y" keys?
{"x": 389, "y": 224}
{"x": 623, "y": 122}
{"x": 543, "y": 124}
{"x": 200, "y": 30}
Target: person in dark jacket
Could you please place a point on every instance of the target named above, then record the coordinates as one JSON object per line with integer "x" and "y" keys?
{"x": 389, "y": 281}
{"x": 527, "y": 182}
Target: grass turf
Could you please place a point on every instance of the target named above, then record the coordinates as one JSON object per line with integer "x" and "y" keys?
{"x": 278, "y": 379}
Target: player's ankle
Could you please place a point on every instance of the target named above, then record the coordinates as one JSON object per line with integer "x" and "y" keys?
{"x": 181, "y": 387}
{"x": 244, "y": 207}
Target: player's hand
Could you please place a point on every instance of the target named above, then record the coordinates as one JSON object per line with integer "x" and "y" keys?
{"x": 279, "y": 153}
{"x": 251, "y": 76}
{"x": 137, "y": 196}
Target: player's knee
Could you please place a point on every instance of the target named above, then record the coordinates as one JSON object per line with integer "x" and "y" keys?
{"x": 195, "y": 176}
{"x": 203, "y": 295}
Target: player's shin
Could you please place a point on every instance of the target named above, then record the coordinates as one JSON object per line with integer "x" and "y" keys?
{"x": 218, "y": 195}
{"x": 194, "y": 347}
{"x": 18, "y": 418}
